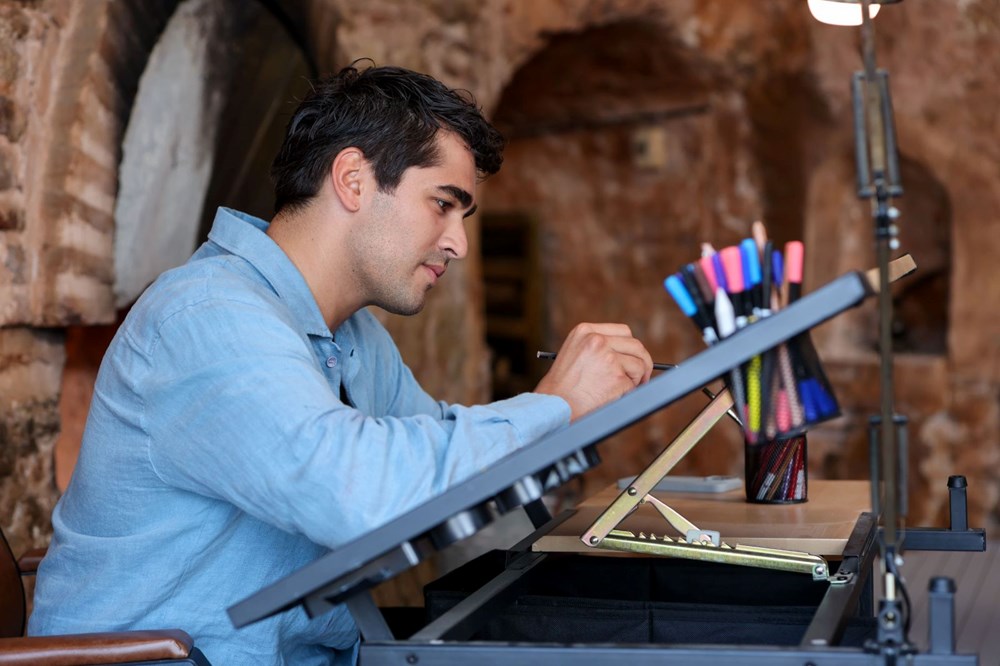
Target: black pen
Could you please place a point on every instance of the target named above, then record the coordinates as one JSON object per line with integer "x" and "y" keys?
{"x": 656, "y": 366}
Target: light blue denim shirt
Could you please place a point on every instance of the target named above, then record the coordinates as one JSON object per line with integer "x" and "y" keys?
{"x": 218, "y": 456}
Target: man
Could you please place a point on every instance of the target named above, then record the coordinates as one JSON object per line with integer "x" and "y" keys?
{"x": 250, "y": 414}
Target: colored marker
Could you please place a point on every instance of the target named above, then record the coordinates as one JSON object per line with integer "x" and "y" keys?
{"x": 720, "y": 272}
{"x": 794, "y": 257}
{"x": 680, "y": 294}
{"x": 690, "y": 280}
{"x": 751, "y": 273}
{"x": 766, "y": 279}
{"x": 726, "y": 320}
{"x": 704, "y": 285}
{"x": 733, "y": 267}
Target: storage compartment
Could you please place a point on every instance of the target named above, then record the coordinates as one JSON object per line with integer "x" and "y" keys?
{"x": 591, "y": 599}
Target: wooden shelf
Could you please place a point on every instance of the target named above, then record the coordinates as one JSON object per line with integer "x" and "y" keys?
{"x": 820, "y": 526}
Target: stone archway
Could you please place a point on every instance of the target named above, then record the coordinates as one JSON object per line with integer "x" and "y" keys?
{"x": 77, "y": 66}
{"x": 628, "y": 148}
{"x": 57, "y": 219}
{"x": 209, "y": 114}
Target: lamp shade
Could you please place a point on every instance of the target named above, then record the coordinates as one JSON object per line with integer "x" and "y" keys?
{"x": 840, "y": 12}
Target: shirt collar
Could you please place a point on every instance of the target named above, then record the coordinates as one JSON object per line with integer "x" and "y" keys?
{"x": 244, "y": 236}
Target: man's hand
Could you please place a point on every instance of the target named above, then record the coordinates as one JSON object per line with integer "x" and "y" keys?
{"x": 596, "y": 364}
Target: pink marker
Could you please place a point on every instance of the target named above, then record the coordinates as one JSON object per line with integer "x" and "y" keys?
{"x": 794, "y": 260}
{"x": 732, "y": 263}
{"x": 709, "y": 270}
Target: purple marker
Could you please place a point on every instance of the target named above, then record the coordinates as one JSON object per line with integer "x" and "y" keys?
{"x": 777, "y": 268}
{"x": 720, "y": 273}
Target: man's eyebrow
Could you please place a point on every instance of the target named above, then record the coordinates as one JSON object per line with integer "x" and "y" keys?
{"x": 463, "y": 197}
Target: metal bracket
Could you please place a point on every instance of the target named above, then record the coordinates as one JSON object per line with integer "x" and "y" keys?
{"x": 703, "y": 537}
{"x": 747, "y": 556}
{"x": 640, "y": 489}
{"x": 841, "y": 578}
{"x": 698, "y": 544}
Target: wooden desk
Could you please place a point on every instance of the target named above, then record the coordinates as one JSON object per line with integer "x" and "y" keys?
{"x": 820, "y": 526}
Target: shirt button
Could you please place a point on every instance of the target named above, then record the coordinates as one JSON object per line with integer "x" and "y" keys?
{"x": 331, "y": 361}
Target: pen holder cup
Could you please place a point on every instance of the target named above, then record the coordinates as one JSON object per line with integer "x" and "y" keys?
{"x": 782, "y": 392}
{"x": 777, "y": 471}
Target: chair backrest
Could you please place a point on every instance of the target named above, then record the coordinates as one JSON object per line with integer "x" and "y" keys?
{"x": 12, "y": 608}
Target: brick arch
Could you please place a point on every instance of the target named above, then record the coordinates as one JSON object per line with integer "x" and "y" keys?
{"x": 613, "y": 222}
{"x": 77, "y": 66}
{"x": 96, "y": 57}
{"x": 75, "y": 70}
{"x": 840, "y": 231}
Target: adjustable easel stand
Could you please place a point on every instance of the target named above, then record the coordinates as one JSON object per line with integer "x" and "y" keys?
{"x": 695, "y": 543}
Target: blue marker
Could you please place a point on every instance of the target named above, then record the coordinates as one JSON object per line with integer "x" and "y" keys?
{"x": 681, "y": 295}
{"x": 751, "y": 272}
{"x": 679, "y": 292}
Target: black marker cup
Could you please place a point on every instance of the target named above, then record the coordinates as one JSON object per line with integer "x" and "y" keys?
{"x": 777, "y": 471}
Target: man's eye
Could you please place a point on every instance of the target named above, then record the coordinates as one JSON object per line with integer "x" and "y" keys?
{"x": 442, "y": 204}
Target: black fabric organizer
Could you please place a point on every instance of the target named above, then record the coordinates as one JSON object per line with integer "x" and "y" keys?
{"x": 586, "y": 599}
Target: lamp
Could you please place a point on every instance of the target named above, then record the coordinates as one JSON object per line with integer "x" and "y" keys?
{"x": 843, "y": 12}
{"x": 878, "y": 182}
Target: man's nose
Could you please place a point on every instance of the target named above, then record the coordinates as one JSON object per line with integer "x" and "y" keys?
{"x": 454, "y": 240}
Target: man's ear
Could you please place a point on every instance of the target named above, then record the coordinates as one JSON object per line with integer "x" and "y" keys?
{"x": 348, "y": 173}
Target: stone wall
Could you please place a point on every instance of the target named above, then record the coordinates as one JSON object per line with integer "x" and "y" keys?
{"x": 762, "y": 129}
{"x": 31, "y": 363}
{"x": 948, "y": 142}
{"x": 68, "y": 72}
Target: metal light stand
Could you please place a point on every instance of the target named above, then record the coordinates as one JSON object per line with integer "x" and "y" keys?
{"x": 879, "y": 182}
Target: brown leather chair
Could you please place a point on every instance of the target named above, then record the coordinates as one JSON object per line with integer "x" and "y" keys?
{"x": 170, "y": 647}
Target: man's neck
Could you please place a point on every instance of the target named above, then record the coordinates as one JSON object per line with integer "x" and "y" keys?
{"x": 309, "y": 237}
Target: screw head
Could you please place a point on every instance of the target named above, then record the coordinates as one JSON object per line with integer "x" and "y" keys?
{"x": 632, "y": 491}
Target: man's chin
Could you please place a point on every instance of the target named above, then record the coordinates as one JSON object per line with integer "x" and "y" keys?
{"x": 404, "y": 310}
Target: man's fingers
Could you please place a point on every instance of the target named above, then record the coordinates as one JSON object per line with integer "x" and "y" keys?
{"x": 635, "y": 368}
{"x": 597, "y": 363}
{"x": 632, "y": 348}
{"x": 602, "y": 328}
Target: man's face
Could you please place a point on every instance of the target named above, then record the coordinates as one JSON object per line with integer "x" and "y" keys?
{"x": 407, "y": 238}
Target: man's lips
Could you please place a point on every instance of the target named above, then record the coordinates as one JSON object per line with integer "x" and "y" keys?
{"x": 437, "y": 269}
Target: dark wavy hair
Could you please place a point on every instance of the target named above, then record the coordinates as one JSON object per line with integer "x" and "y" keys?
{"x": 392, "y": 115}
